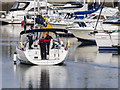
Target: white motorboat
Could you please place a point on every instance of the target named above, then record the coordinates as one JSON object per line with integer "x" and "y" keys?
{"x": 60, "y": 24}
{"x": 65, "y": 15}
{"x": 72, "y": 6}
{"x": 23, "y": 8}
{"x": 82, "y": 28}
{"x": 57, "y": 50}
{"x": 107, "y": 12}
{"x": 114, "y": 20}
{"x": 109, "y": 40}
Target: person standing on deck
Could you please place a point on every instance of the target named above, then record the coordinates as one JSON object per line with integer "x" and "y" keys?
{"x": 30, "y": 37}
{"x": 48, "y": 37}
{"x": 42, "y": 42}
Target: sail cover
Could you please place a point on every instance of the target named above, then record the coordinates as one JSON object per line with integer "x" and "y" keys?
{"x": 87, "y": 12}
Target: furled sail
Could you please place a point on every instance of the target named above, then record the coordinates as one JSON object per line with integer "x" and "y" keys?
{"x": 86, "y": 12}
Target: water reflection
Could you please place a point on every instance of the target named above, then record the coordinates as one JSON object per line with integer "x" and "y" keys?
{"x": 11, "y": 31}
{"x": 85, "y": 68}
{"x": 90, "y": 54}
{"x": 92, "y": 69}
{"x": 84, "y": 54}
{"x": 41, "y": 76}
{"x": 75, "y": 74}
{"x": 7, "y": 52}
{"x": 107, "y": 59}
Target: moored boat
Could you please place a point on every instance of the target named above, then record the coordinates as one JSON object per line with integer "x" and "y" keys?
{"x": 41, "y": 54}
{"x": 23, "y": 8}
{"x": 82, "y": 28}
{"x": 109, "y": 40}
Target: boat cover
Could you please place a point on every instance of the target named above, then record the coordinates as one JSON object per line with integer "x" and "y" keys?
{"x": 87, "y": 12}
{"x": 43, "y": 30}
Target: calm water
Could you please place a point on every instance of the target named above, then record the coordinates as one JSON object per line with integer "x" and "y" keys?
{"x": 84, "y": 68}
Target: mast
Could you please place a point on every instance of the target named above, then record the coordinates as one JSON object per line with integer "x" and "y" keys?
{"x": 99, "y": 15}
{"x": 38, "y": 6}
{"x": 119, "y": 13}
{"x": 99, "y": 2}
{"x": 34, "y": 11}
{"x": 84, "y": 2}
{"x": 46, "y": 7}
{"x": 119, "y": 5}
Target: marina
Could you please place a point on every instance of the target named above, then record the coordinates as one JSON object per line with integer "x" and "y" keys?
{"x": 70, "y": 45}
{"x": 85, "y": 68}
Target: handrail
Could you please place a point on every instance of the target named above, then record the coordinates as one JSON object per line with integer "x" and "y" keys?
{"x": 3, "y": 12}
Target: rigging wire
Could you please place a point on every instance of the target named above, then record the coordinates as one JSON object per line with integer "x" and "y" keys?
{"x": 99, "y": 15}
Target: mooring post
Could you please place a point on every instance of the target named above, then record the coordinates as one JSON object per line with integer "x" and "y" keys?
{"x": 15, "y": 57}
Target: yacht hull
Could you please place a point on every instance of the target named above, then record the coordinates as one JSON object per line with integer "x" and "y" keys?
{"x": 108, "y": 41}
{"x": 26, "y": 57}
{"x": 83, "y": 33}
{"x": 59, "y": 26}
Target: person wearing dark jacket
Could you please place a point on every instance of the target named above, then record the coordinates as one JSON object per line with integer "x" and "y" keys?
{"x": 48, "y": 37}
{"x": 30, "y": 37}
{"x": 42, "y": 42}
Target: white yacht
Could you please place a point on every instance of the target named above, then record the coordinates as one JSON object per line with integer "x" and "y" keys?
{"x": 55, "y": 54}
{"x": 82, "y": 28}
{"x": 22, "y": 8}
{"x": 109, "y": 40}
{"x": 73, "y": 6}
{"x": 65, "y": 15}
{"x": 113, "y": 20}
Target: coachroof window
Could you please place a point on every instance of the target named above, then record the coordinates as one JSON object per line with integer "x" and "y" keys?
{"x": 19, "y": 6}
